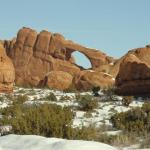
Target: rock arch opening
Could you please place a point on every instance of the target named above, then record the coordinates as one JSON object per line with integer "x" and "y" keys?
{"x": 81, "y": 60}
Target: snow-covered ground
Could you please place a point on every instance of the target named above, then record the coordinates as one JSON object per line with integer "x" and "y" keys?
{"x": 32, "y": 142}
{"x": 98, "y": 117}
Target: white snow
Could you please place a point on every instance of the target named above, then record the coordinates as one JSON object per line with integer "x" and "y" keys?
{"x": 91, "y": 70}
{"x": 108, "y": 74}
{"x": 98, "y": 117}
{"x": 111, "y": 64}
{"x": 113, "y": 132}
{"x": 32, "y": 142}
{"x": 3, "y": 105}
{"x": 113, "y": 79}
{"x": 6, "y": 128}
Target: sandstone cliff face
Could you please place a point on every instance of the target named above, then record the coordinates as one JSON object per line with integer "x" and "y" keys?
{"x": 134, "y": 74}
{"x": 7, "y": 72}
{"x": 35, "y": 55}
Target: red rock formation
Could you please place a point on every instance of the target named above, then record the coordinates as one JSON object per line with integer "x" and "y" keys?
{"x": 134, "y": 75}
{"x": 59, "y": 80}
{"x": 141, "y": 53}
{"x": 34, "y": 55}
{"x": 7, "y": 73}
{"x": 37, "y": 55}
{"x": 88, "y": 79}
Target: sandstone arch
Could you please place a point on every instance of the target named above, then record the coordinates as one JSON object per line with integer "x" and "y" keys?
{"x": 81, "y": 60}
{"x": 36, "y": 54}
{"x": 96, "y": 57}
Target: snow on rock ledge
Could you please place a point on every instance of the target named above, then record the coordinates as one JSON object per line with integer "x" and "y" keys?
{"x": 32, "y": 142}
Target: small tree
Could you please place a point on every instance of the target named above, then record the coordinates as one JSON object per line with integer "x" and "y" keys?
{"x": 51, "y": 97}
{"x": 19, "y": 99}
{"x": 109, "y": 93}
{"x": 87, "y": 103}
{"x": 95, "y": 91}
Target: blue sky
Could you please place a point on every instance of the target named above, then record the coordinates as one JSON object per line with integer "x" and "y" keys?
{"x": 113, "y": 26}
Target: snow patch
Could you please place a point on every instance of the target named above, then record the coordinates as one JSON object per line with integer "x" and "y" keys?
{"x": 32, "y": 142}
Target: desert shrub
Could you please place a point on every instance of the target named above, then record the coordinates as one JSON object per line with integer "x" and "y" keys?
{"x": 136, "y": 120}
{"x": 85, "y": 133}
{"x": 51, "y": 97}
{"x": 97, "y": 134}
{"x": 1, "y": 98}
{"x": 64, "y": 98}
{"x": 87, "y": 102}
{"x": 10, "y": 97}
{"x": 88, "y": 114}
{"x": 118, "y": 140}
{"x": 19, "y": 99}
{"x": 104, "y": 138}
{"x": 127, "y": 100}
{"x": 145, "y": 143}
{"x": 109, "y": 93}
{"x": 46, "y": 120}
{"x": 77, "y": 96}
{"x": 21, "y": 91}
{"x": 95, "y": 90}
{"x": 53, "y": 121}
{"x": 146, "y": 107}
{"x": 123, "y": 139}
{"x": 32, "y": 92}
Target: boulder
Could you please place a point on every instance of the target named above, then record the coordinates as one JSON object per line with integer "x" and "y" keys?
{"x": 59, "y": 80}
{"x": 134, "y": 76}
{"x": 88, "y": 79}
{"x": 142, "y": 54}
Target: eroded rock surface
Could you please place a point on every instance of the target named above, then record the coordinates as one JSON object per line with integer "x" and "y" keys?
{"x": 40, "y": 57}
{"x": 89, "y": 78}
{"x": 134, "y": 74}
{"x": 59, "y": 80}
{"x": 7, "y": 72}
{"x": 35, "y": 55}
